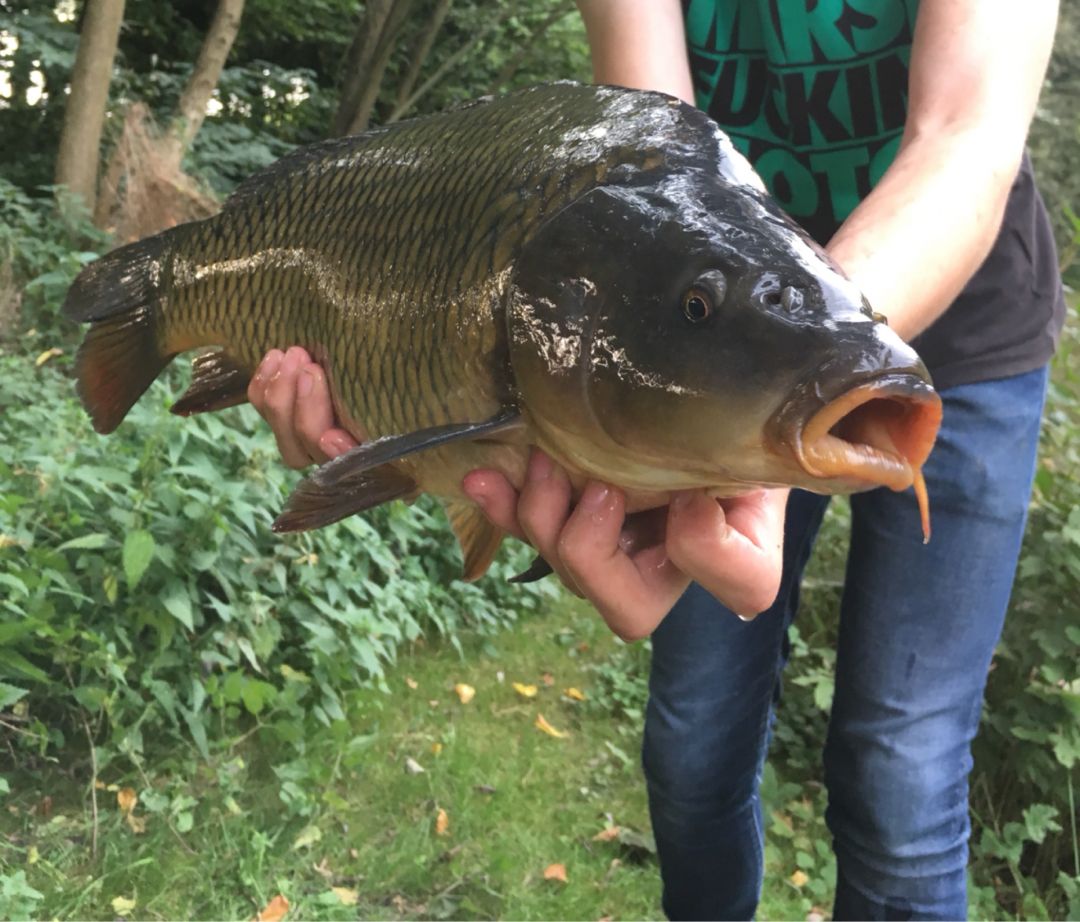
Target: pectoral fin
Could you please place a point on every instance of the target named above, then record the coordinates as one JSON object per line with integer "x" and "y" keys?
{"x": 479, "y": 539}
{"x": 217, "y": 381}
{"x": 367, "y": 476}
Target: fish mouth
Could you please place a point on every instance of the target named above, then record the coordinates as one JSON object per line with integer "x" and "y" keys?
{"x": 879, "y": 433}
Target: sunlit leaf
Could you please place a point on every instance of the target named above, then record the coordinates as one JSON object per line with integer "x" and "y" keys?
{"x": 309, "y": 835}
{"x": 346, "y": 896}
{"x": 526, "y": 691}
{"x": 32, "y": 855}
{"x": 126, "y": 798}
{"x": 122, "y": 906}
{"x": 442, "y": 823}
{"x": 544, "y": 727}
{"x": 555, "y": 872}
{"x": 46, "y": 355}
{"x": 275, "y": 910}
{"x": 465, "y": 693}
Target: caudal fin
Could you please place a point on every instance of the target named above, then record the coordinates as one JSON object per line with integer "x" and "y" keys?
{"x": 122, "y": 353}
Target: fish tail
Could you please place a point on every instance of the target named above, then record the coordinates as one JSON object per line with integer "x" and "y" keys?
{"x": 119, "y": 295}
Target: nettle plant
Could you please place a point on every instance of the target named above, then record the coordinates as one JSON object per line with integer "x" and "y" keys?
{"x": 143, "y": 594}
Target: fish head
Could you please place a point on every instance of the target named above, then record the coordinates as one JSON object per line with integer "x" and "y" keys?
{"x": 684, "y": 332}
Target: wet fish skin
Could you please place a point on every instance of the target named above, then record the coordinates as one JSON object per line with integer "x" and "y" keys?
{"x": 507, "y": 274}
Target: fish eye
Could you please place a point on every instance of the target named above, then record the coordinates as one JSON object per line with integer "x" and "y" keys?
{"x": 696, "y": 305}
{"x": 701, "y": 298}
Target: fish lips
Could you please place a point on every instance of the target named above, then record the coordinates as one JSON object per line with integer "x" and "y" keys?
{"x": 871, "y": 430}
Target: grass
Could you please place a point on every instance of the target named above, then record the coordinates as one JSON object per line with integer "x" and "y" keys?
{"x": 221, "y": 840}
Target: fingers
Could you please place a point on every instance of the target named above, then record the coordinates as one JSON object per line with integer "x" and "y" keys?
{"x": 543, "y": 510}
{"x": 493, "y": 493}
{"x": 632, "y": 591}
{"x": 291, "y": 393}
{"x": 733, "y": 550}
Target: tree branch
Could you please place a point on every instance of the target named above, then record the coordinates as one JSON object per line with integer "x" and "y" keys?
{"x": 422, "y": 51}
{"x": 513, "y": 65}
{"x": 441, "y": 71}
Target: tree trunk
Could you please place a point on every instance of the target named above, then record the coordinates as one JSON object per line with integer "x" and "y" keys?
{"x": 446, "y": 66}
{"x": 206, "y": 73}
{"x": 421, "y": 52}
{"x": 358, "y": 61}
{"x": 365, "y": 105}
{"x": 84, "y": 114}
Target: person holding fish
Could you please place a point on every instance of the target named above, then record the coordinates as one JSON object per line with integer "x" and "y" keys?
{"x": 894, "y": 132}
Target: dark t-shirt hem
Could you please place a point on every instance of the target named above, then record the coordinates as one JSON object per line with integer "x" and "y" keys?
{"x": 990, "y": 367}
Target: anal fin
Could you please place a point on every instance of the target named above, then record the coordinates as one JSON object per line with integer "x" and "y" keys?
{"x": 218, "y": 381}
{"x": 479, "y": 539}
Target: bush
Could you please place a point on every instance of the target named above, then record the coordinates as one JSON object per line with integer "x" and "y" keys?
{"x": 144, "y": 595}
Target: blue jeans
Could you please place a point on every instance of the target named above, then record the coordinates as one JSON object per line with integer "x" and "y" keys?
{"x": 918, "y": 625}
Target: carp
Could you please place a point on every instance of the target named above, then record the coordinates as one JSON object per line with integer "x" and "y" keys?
{"x": 591, "y": 270}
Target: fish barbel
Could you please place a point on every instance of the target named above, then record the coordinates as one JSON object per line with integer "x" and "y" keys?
{"x": 591, "y": 270}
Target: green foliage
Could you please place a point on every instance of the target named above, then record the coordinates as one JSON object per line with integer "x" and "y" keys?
{"x": 144, "y": 592}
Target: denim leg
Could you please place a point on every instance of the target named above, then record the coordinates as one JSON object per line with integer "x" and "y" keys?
{"x": 711, "y": 688}
{"x": 918, "y": 628}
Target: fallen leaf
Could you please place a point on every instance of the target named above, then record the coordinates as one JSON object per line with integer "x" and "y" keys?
{"x": 575, "y": 693}
{"x": 442, "y": 823}
{"x": 126, "y": 798}
{"x": 275, "y": 910}
{"x": 544, "y": 727}
{"x": 354, "y": 853}
{"x": 464, "y": 692}
{"x": 309, "y": 835}
{"x": 46, "y": 355}
{"x": 548, "y": 679}
{"x": 815, "y": 915}
{"x": 436, "y": 748}
{"x": 346, "y": 896}
{"x": 500, "y": 676}
{"x": 99, "y": 784}
{"x": 799, "y": 878}
{"x": 608, "y": 834}
{"x": 411, "y": 682}
{"x": 555, "y": 872}
{"x": 122, "y": 906}
{"x": 526, "y": 691}
{"x": 413, "y": 767}
{"x": 45, "y": 806}
{"x": 323, "y": 869}
{"x": 136, "y": 823}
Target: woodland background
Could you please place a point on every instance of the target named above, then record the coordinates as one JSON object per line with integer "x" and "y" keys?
{"x": 200, "y": 719}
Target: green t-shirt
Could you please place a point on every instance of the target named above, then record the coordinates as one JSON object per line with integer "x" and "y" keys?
{"x": 815, "y": 93}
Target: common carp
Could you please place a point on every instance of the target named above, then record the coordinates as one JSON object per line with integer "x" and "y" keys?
{"x": 591, "y": 270}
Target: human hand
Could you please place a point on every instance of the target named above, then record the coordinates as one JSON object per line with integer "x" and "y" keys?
{"x": 633, "y": 569}
{"x": 290, "y": 392}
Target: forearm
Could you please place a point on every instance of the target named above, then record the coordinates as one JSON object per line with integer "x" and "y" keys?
{"x": 916, "y": 240}
{"x": 639, "y": 44}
